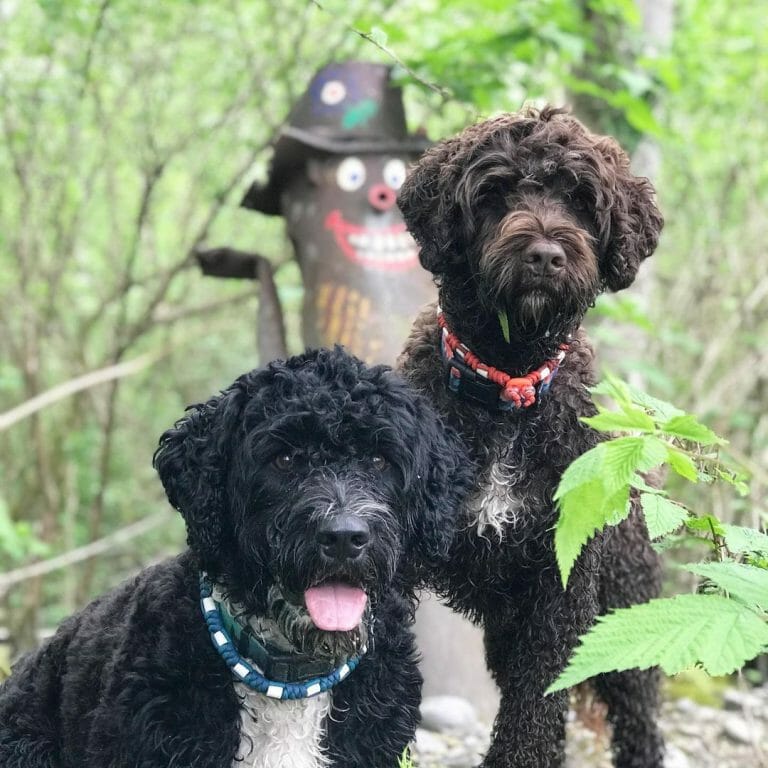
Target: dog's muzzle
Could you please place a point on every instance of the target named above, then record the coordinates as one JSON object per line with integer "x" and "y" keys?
{"x": 332, "y": 604}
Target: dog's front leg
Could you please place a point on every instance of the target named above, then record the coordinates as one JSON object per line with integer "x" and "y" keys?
{"x": 528, "y": 644}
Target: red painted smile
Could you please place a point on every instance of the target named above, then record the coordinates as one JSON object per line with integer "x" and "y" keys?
{"x": 387, "y": 248}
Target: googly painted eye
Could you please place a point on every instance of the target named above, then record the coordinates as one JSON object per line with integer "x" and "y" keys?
{"x": 394, "y": 173}
{"x": 283, "y": 461}
{"x": 350, "y": 175}
{"x": 379, "y": 463}
{"x": 333, "y": 92}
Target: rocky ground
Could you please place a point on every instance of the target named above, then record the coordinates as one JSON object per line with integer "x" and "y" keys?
{"x": 697, "y": 736}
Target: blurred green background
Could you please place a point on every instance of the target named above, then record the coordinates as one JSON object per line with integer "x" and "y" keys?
{"x": 130, "y": 129}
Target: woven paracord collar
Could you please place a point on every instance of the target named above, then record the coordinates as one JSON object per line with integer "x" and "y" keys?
{"x": 249, "y": 674}
{"x": 470, "y": 378}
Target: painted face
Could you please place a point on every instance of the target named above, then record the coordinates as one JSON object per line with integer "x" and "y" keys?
{"x": 362, "y": 278}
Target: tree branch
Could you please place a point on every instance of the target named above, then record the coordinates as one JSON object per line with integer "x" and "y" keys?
{"x": 95, "y": 548}
{"x": 71, "y": 387}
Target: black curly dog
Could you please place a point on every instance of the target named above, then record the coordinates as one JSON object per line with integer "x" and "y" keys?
{"x": 524, "y": 220}
{"x": 313, "y": 474}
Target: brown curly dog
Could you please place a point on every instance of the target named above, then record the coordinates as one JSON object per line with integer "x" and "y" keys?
{"x": 523, "y": 220}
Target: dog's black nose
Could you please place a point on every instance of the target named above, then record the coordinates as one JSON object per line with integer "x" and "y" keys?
{"x": 545, "y": 257}
{"x": 343, "y": 537}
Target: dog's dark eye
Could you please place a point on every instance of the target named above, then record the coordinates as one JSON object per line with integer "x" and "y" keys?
{"x": 283, "y": 461}
{"x": 379, "y": 463}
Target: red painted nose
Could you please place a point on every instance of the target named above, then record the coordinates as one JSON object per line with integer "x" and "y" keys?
{"x": 381, "y": 197}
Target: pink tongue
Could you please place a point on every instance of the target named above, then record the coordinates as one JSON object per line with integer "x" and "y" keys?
{"x": 335, "y": 607}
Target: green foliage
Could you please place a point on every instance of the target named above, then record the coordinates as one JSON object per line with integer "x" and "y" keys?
{"x": 492, "y": 56}
{"x": 727, "y": 623}
{"x": 17, "y": 539}
{"x": 662, "y": 516}
{"x": 744, "y": 582}
{"x": 129, "y": 131}
{"x": 404, "y": 760}
{"x": 595, "y": 489}
{"x": 676, "y": 634}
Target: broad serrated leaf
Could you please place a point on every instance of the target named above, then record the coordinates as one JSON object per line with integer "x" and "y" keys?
{"x": 585, "y": 469}
{"x": 682, "y": 464}
{"x": 615, "y": 388}
{"x": 659, "y": 409}
{"x": 739, "y": 538}
{"x": 584, "y": 511}
{"x": 690, "y": 428}
{"x": 618, "y": 507}
{"x": 615, "y": 421}
{"x": 705, "y": 524}
{"x": 626, "y": 456}
{"x": 746, "y": 582}
{"x": 675, "y": 633}
{"x": 580, "y": 517}
{"x": 662, "y": 516}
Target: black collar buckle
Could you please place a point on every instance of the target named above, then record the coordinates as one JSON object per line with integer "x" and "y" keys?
{"x": 464, "y": 382}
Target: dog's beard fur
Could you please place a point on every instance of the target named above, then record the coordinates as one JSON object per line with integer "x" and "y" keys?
{"x": 538, "y": 306}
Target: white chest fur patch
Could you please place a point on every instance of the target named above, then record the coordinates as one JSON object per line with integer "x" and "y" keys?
{"x": 281, "y": 734}
{"x": 495, "y": 504}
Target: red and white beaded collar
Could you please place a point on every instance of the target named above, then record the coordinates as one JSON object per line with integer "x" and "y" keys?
{"x": 472, "y": 379}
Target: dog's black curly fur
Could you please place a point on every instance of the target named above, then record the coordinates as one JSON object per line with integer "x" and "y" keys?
{"x": 133, "y": 679}
{"x": 531, "y": 215}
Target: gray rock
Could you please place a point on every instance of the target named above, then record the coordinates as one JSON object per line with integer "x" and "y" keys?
{"x": 427, "y": 744}
{"x": 686, "y": 706}
{"x": 675, "y": 758}
{"x": 742, "y": 732}
{"x": 741, "y": 701}
{"x": 448, "y": 714}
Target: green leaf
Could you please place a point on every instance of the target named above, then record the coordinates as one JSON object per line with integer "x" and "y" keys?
{"x": 659, "y": 409}
{"x": 626, "y": 456}
{"x": 739, "y": 539}
{"x": 10, "y": 541}
{"x": 735, "y": 479}
{"x": 705, "y": 524}
{"x": 682, "y": 464}
{"x": 585, "y": 469}
{"x": 661, "y": 515}
{"x": 584, "y": 511}
{"x": 614, "y": 388}
{"x": 674, "y": 633}
{"x": 745, "y": 582}
{"x": 690, "y": 428}
{"x": 631, "y": 418}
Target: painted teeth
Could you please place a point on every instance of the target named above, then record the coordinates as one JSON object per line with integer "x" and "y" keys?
{"x": 387, "y": 241}
{"x": 388, "y": 256}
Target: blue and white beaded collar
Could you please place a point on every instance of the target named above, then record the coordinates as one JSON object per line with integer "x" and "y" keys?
{"x": 251, "y": 675}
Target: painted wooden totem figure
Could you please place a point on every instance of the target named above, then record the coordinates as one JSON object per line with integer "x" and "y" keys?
{"x": 334, "y": 176}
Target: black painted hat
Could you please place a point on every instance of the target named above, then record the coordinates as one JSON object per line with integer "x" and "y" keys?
{"x": 349, "y": 107}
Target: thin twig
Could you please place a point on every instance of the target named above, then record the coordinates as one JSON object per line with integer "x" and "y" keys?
{"x": 440, "y": 90}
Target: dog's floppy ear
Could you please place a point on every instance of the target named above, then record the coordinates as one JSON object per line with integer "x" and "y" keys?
{"x": 634, "y": 224}
{"x": 428, "y": 204}
{"x": 192, "y": 460}
{"x": 443, "y": 476}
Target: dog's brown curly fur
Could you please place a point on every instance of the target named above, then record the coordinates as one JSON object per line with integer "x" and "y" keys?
{"x": 531, "y": 215}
